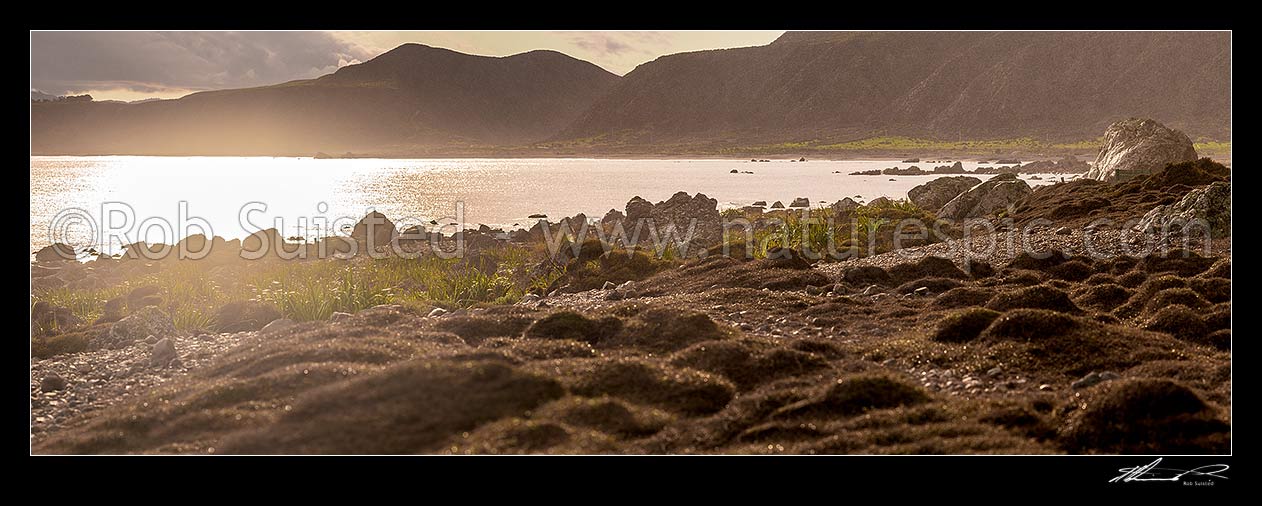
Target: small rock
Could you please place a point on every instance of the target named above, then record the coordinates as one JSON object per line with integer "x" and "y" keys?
{"x": 163, "y": 352}
{"x": 52, "y": 383}
{"x": 438, "y": 311}
{"x": 746, "y": 327}
{"x": 615, "y": 295}
{"x": 275, "y": 325}
{"x": 530, "y": 297}
{"x": 1109, "y": 375}
{"x": 1090, "y": 379}
{"x": 871, "y": 289}
{"x": 1064, "y": 231}
{"x": 922, "y": 291}
{"x": 814, "y": 290}
{"x": 608, "y": 286}
{"x": 994, "y": 371}
{"x": 339, "y": 316}
{"x": 151, "y": 340}
{"x": 1045, "y": 387}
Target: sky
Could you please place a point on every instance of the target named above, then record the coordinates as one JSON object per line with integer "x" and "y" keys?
{"x": 144, "y": 65}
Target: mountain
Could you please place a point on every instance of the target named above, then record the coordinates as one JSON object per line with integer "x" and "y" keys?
{"x": 818, "y": 87}
{"x": 412, "y": 96}
{"x": 1065, "y": 86}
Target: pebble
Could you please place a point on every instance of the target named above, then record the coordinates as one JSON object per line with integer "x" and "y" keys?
{"x": 608, "y": 286}
{"x": 922, "y": 291}
{"x": 52, "y": 383}
{"x": 438, "y": 311}
{"x": 1045, "y": 387}
{"x": 994, "y": 371}
{"x": 163, "y": 353}
{"x": 277, "y": 324}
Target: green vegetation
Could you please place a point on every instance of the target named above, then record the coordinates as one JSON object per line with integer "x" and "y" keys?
{"x": 1212, "y": 148}
{"x": 191, "y": 292}
{"x": 869, "y": 230}
{"x": 913, "y": 144}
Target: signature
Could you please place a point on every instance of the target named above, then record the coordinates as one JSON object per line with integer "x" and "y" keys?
{"x": 1151, "y": 472}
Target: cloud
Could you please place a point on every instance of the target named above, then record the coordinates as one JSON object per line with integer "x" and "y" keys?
{"x": 619, "y": 43}
{"x": 151, "y": 62}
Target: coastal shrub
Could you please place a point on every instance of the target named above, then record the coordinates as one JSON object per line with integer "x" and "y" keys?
{"x": 1073, "y": 270}
{"x": 1034, "y": 297}
{"x": 608, "y": 415}
{"x": 964, "y": 296}
{"x": 1022, "y": 277}
{"x": 1145, "y": 416}
{"x": 872, "y": 229}
{"x": 1180, "y": 322}
{"x": 1174, "y": 296}
{"x": 926, "y": 267}
{"x": 60, "y": 344}
{"x": 747, "y": 364}
{"x": 1101, "y": 278}
{"x": 1132, "y": 279}
{"x": 573, "y": 326}
{"x": 856, "y": 394}
{"x": 685, "y": 391}
{"x": 935, "y": 285}
{"x": 1212, "y": 289}
{"x": 964, "y": 326}
{"x": 1102, "y": 297}
{"x": 1219, "y": 339}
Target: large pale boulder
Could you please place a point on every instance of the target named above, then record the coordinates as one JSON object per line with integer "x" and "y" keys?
{"x": 986, "y": 199}
{"x": 933, "y": 195}
{"x": 1138, "y": 147}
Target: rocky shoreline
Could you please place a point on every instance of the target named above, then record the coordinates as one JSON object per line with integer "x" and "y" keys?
{"x": 1082, "y": 317}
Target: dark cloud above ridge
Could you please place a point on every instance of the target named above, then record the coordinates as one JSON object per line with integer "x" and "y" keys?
{"x": 151, "y": 62}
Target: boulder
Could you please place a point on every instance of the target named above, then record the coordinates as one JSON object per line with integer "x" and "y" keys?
{"x": 52, "y": 383}
{"x": 986, "y": 199}
{"x": 147, "y": 321}
{"x": 163, "y": 353}
{"x": 244, "y": 315}
{"x": 880, "y": 201}
{"x": 381, "y": 229}
{"x": 55, "y": 252}
{"x": 1138, "y": 147}
{"x": 47, "y": 318}
{"x": 844, "y": 207}
{"x": 933, "y": 195}
{"x": 1210, "y": 205}
{"x": 956, "y": 168}
{"x": 681, "y": 211}
{"x": 612, "y": 217}
{"x": 909, "y": 171}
